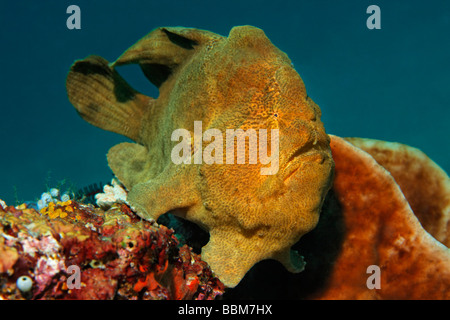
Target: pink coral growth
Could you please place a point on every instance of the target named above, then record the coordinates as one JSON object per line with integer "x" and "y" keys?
{"x": 118, "y": 255}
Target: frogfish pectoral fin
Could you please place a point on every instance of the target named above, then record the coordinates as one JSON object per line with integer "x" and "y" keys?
{"x": 166, "y": 192}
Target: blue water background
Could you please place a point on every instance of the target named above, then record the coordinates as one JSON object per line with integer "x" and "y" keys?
{"x": 391, "y": 84}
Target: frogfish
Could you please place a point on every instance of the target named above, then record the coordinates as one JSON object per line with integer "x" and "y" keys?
{"x": 226, "y": 106}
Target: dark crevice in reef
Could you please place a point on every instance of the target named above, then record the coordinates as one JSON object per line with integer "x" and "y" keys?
{"x": 268, "y": 279}
{"x": 186, "y": 232}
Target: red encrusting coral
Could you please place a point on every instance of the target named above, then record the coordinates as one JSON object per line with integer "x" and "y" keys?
{"x": 119, "y": 256}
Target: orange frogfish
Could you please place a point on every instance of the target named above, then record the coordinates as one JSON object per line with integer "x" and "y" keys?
{"x": 232, "y": 143}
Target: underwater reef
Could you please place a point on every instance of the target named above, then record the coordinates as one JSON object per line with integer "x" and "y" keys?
{"x": 117, "y": 256}
{"x": 329, "y": 218}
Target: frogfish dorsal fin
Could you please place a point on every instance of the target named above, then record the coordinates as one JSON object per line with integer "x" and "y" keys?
{"x": 163, "y": 50}
{"x": 103, "y": 98}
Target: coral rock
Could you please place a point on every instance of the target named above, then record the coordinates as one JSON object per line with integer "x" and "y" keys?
{"x": 112, "y": 250}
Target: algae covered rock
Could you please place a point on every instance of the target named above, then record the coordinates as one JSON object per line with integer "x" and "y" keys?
{"x": 70, "y": 250}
